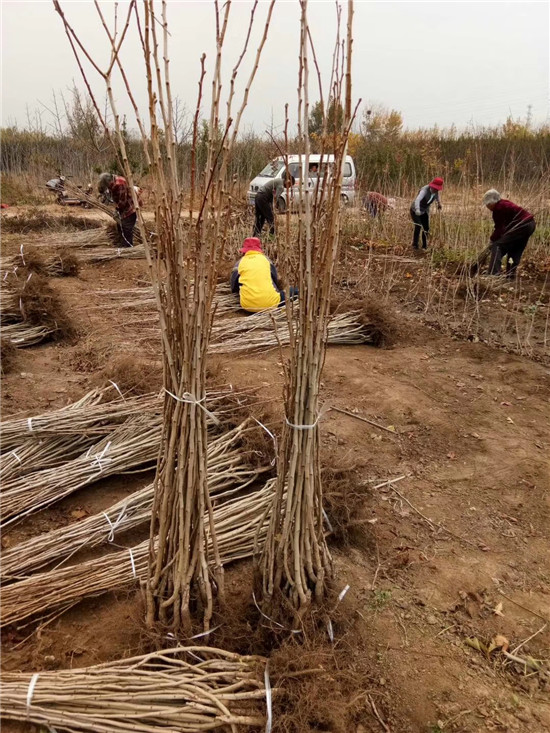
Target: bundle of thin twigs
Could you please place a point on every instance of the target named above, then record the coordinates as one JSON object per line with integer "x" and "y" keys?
{"x": 106, "y": 254}
{"x": 143, "y": 299}
{"x": 21, "y": 454}
{"x": 184, "y": 259}
{"x": 229, "y": 471}
{"x": 21, "y": 335}
{"x": 187, "y": 689}
{"x": 91, "y": 415}
{"x": 131, "y": 446}
{"x": 240, "y": 525}
{"x": 296, "y": 562}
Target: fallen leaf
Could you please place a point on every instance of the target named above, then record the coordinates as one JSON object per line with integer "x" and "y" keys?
{"x": 509, "y": 419}
{"x": 452, "y": 456}
{"x": 500, "y": 642}
{"x": 507, "y": 404}
{"x": 497, "y": 610}
{"x": 408, "y": 274}
{"x": 391, "y": 428}
{"x": 476, "y": 644}
{"x": 79, "y": 513}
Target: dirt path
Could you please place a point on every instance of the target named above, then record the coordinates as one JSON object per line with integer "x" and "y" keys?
{"x": 457, "y": 549}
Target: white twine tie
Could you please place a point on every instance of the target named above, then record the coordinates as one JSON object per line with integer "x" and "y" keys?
{"x": 114, "y": 526}
{"x": 29, "y": 424}
{"x": 268, "y": 702}
{"x": 97, "y": 459}
{"x": 132, "y": 561}
{"x": 192, "y": 400}
{"x": 30, "y": 691}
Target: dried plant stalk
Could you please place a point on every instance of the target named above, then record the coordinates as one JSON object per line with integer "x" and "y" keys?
{"x": 296, "y": 562}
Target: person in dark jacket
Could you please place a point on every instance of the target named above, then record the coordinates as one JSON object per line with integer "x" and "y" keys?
{"x": 119, "y": 191}
{"x": 514, "y": 225}
{"x": 420, "y": 210}
{"x": 265, "y": 198}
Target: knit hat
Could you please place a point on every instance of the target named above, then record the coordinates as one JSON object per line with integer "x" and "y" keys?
{"x": 492, "y": 196}
{"x": 437, "y": 183}
{"x": 105, "y": 180}
{"x": 251, "y": 244}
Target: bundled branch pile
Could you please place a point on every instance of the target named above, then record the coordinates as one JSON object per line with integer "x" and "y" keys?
{"x": 93, "y": 415}
{"x": 131, "y": 432}
{"x": 131, "y": 446}
{"x": 296, "y": 565}
{"x": 21, "y": 454}
{"x": 30, "y": 259}
{"x": 143, "y": 300}
{"x": 185, "y": 689}
{"x": 229, "y": 471}
{"x": 239, "y": 523}
{"x": 30, "y": 311}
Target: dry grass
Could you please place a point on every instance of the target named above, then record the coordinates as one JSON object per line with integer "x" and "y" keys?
{"x": 379, "y": 317}
{"x": 40, "y": 306}
{"x": 132, "y": 375}
{"x": 344, "y": 502}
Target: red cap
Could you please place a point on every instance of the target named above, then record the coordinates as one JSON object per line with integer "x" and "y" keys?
{"x": 437, "y": 183}
{"x": 252, "y": 244}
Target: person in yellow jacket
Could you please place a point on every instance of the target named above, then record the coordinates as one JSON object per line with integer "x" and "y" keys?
{"x": 254, "y": 278}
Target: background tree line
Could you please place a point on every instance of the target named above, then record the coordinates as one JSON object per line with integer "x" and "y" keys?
{"x": 388, "y": 157}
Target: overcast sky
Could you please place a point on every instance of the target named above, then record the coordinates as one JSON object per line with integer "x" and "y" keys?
{"x": 436, "y": 62}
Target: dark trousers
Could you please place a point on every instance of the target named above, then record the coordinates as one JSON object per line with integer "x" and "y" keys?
{"x": 511, "y": 245}
{"x": 293, "y": 295}
{"x": 126, "y": 230}
{"x": 421, "y": 224}
{"x": 263, "y": 206}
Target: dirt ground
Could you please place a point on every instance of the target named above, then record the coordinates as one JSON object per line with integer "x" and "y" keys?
{"x": 457, "y": 549}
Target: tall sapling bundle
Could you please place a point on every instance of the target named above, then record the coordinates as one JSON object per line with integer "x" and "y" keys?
{"x": 183, "y": 265}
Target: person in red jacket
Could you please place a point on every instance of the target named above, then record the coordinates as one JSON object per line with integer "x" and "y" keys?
{"x": 119, "y": 190}
{"x": 513, "y": 227}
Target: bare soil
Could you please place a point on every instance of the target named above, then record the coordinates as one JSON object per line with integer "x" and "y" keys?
{"x": 457, "y": 549}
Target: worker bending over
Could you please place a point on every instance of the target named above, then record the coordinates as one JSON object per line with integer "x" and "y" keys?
{"x": 255, "y": 279}
{"x": 513, "y": 227}
{"x": 266, "y": 196}
{"x": 120, "y": 193}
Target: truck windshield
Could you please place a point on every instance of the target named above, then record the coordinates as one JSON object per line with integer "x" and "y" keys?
{"x": 272, "y": 169}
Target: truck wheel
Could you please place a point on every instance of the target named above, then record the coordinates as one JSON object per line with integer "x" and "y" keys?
{"x": 344, "y": 199}
{"x": 281, "y": 205}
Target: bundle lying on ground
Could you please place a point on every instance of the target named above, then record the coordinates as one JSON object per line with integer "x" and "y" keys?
{"x": 266, "y": 330}
{"x": 62, "y": 263}
{"x": 31, "y": 311}
{"x": 143, "y": 299}
{"x": 106, "y": 254}
{"x": 238, "y": 522}
{"x": 185, "y": 689}
{"x": 229, "y": 470}
{"x": 22, "y": 454}
{"x": 94, "y": 414}
{"x": 133, "y": 445}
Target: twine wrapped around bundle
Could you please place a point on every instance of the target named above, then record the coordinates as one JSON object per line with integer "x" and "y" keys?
{"x": 240, "y": 525}
{"x": 229, "y": 471}
{"x": 184, "y": 688}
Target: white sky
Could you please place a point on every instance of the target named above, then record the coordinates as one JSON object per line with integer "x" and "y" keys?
{"x": 436, "y": 62}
